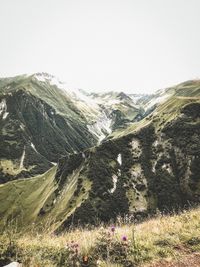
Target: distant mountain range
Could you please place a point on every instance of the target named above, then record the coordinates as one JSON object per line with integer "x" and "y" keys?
{"x": 42, "y": 120}
{"x": 69, "y": 156}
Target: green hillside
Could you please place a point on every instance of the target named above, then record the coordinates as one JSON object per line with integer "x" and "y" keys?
{"x": 38, "y": 124}
{"x": 154, "y": 164}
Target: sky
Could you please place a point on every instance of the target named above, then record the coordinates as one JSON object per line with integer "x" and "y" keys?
{"x": 136, "y": 46}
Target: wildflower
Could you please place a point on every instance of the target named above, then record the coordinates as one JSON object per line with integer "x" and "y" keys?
{"x": 124, "y": 238}
{"x": 85, "y": 259}
{"x": 113, "y": 229}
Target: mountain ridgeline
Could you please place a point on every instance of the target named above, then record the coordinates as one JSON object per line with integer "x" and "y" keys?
{"x": 42, "y": 120}
{"x": 70, "y": 157}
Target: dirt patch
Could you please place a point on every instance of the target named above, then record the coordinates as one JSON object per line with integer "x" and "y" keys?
{"x": 191, "y": 260}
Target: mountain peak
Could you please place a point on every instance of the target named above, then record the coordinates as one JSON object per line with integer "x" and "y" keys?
{"x": 43, "y": 76}
{"x": 123, "y": 96}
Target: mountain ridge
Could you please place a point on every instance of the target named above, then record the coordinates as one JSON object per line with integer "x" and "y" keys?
{"x": 143, "y": 166}
{"x": 76, "y": 122}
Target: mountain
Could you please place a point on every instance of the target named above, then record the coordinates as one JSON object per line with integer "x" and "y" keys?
{"x": 39, "y": 123}
{"x": 43, "y": 119}
{"x": 120, "y": 107}
{"x": 146, "y": 165}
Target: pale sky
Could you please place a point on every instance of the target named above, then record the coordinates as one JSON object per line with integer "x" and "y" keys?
{"x": 126, "y": 45}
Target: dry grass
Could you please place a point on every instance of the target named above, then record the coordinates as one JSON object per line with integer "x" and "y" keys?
{"x": 163, "y": 240}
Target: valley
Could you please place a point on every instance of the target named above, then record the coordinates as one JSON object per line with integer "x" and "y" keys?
{"x": 66, "y": 145}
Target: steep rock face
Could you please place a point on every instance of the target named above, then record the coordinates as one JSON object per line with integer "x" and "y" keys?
{"x": 33, "y": 135}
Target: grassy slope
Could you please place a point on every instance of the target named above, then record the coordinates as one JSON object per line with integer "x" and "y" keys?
{"x": 181, "y": 95}
{"x": 67, "y": 202}
{"x": 26, "y": 197}
{"x": 50, "y": 94}
{"x": 163, "y": 241}
{"x": 41, "y": 199}
{"x": 41, "y": 114}
{"x": 56, "y": 98}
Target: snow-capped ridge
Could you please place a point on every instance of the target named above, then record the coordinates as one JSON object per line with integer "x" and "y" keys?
{"x": 74, "y": 93}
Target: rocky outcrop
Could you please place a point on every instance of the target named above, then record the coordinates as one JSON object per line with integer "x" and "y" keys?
{"x": 13, "y": 264}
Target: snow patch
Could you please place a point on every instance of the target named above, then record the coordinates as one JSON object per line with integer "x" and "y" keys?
{"x": 102, "y": 127}
{"x": 156, "y": 100}
{"x": 75, "y": 93}
{"x": 85, "y": 103}
{"x": 40, "y": 78}
{"x": 22, "y": 159}
{"x": 154, "y": 166}
{"x": 119, "y": 159}
{"x": 135, "y": 98}
{"x": 114, "y": 178}
{"x": 3, "y": 109}
{"x": 33, "y": 146}
{"x": 22, "y": 127}
{"x": 5, "y": 115}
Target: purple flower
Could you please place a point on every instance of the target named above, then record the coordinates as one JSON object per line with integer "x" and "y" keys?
{"x": 124, "y": 238}
{"x": 113, "y": 229}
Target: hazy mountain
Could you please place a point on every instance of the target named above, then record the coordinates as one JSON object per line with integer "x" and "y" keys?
{"x": 151, "y": 163}
{"x": 121, "y": 108}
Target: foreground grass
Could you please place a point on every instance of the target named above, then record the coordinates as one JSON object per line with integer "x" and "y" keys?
{"x": 162, "y": 239}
